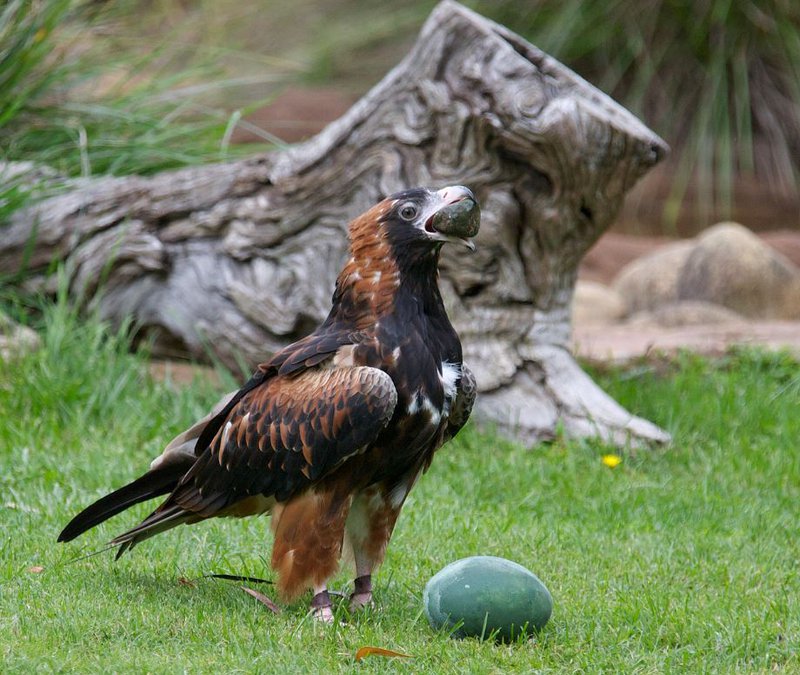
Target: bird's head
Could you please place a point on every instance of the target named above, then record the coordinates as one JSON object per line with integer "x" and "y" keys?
{"x": 399, "y": 239}
{"x": 422, "y": 218}
{"x": 414, "y": 224}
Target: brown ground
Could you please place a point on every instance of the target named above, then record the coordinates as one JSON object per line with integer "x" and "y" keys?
{"x": 620, "y": 343}
{"x": 182, "y": 372}
{"x": 612, "y": 252}
{"x": 755, "y": 202}
{"x": 296, "y": 114}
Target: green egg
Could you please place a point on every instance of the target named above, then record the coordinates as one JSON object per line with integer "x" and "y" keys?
{"x": 487, "y": 596}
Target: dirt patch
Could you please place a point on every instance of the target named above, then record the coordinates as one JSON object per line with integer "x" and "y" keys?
{"x": 297, "y": 113}
{"x": 612, "y": 252}
{"x": 621, "y": 343}
{"x": 785, "y": 242}
{"x": 755, "y": 202}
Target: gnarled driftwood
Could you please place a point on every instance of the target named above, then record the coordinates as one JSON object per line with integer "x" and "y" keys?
{"x": 241, "y": 257}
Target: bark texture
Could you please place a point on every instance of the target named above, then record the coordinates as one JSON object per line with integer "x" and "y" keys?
{"x": 240, "y": 258}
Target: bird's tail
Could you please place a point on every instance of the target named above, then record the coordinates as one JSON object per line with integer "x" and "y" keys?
{"x": 154, "y": 483}
{"x": 162, "y": 519}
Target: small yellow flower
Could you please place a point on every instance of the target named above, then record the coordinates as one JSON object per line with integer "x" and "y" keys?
{"x": 611, "y": 460}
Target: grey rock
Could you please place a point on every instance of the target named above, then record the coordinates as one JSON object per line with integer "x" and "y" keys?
{"x": 596, "y": 304}
{"x": 732, "y": 267}
{"x": 652, "y": 280}
{"x": 726, "y": 265}
{"x": 16, "y": 339}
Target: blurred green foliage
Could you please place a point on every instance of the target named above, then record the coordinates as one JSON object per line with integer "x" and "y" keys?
{"x": 719, "y": 79}
{"x": 70, "y": 99}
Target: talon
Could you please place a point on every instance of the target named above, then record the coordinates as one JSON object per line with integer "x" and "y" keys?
{"x": 362, "y": 593}
{"x": 321, "y": 607}
{"x": 360, "y": 601}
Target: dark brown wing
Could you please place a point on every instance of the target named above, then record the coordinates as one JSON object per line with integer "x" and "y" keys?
{"x": 287, "y": 433}
{"x": 306, "y": 353}
{"x": 462, "y": 407}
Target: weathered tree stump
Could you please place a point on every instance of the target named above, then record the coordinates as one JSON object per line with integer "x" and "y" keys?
{"x": 240, "y": 258}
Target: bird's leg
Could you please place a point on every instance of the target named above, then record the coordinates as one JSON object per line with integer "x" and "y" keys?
{"x": 362, "y": 585}
{"x": 369, "y": 527}
{"x": 321, "y": 605}
{"x": 362, "y": 593}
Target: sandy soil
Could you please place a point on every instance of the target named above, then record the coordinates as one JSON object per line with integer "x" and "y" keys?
{"x": 620, "y": 343}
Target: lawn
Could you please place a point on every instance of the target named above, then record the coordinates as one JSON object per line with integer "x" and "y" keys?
{"x": 677, "y": 560}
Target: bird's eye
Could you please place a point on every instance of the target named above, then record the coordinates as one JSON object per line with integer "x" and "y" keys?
{"x": 408, "y": 211}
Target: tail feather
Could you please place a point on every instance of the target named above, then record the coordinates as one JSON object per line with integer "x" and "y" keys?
{"x": 154, "y": 483}
{"x": 161, "y": 520}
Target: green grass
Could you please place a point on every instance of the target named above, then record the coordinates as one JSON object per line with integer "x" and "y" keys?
{"x": 677, "y": 560}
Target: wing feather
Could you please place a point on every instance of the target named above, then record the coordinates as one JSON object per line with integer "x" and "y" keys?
{"x": 287, "y": 433}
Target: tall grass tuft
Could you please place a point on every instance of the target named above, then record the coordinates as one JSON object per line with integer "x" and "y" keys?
{"x": 27, "y": 65}
{"x": 84, "y": 370}
{"x": 70, "y": 99}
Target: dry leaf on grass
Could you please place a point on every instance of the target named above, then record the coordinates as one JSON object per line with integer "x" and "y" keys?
{"x": 36, "y": 569}
{"x": 263, "y": 599}
{"x": 379, "y": 651}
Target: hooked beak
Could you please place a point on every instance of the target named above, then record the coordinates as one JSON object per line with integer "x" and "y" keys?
{"x": 457, "y": 218}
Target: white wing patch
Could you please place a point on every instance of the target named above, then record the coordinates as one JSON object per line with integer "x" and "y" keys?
{"x": 421, "y": 402}
{"x": 400, "y": 491}
{"x": 451, "y": 373}
{"x": 449, "y": 376}
{"x": 181, "y": 448}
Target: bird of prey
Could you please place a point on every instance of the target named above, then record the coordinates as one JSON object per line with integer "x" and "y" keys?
{"x": 331, "y": 433}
